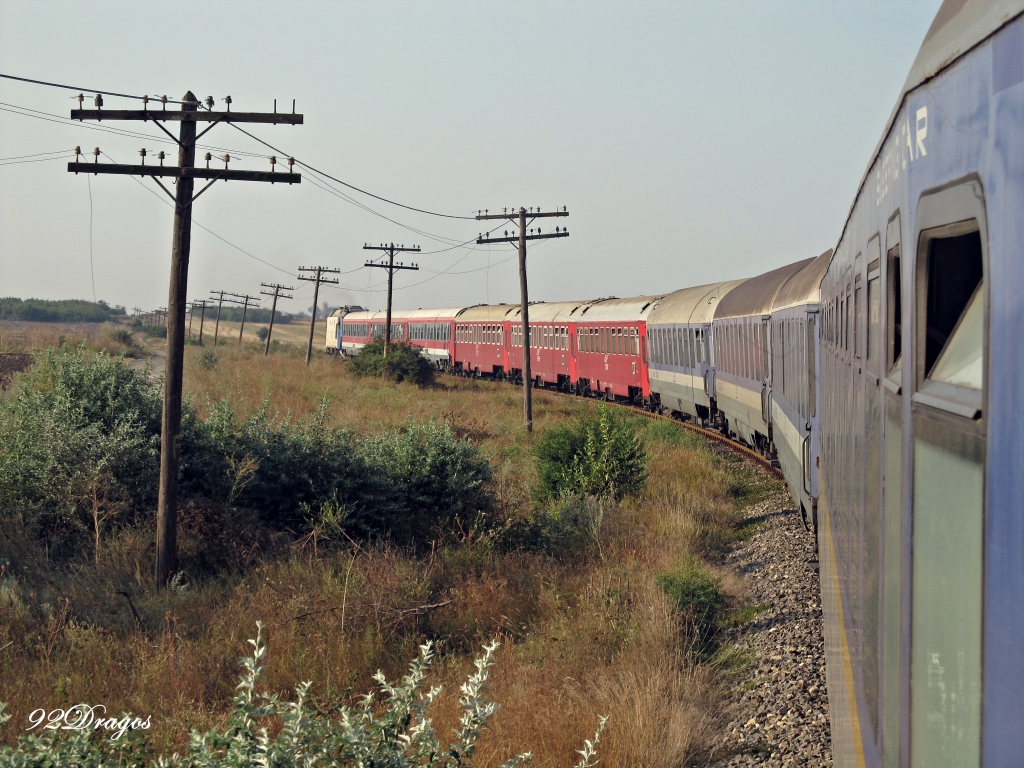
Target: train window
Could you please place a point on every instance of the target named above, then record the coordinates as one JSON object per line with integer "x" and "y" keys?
{"x": 954, "y": 279}
{"x": 874, "y": 312}
{"x": 812, "y": 382}
{"x": 894, "y": 281}
{"x": 858, "y": 309}
{"x": 634, "y": 334}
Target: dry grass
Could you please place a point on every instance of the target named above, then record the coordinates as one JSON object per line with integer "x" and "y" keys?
{"x": 17, "y": 336}
{"x": 584, "y": 636}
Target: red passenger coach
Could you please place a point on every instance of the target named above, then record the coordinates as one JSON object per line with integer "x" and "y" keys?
{"x": 611, "y": 348}
{"x": 594, "y": 348}
{"x": 429, "y": 329}
{"x": 481, "y": 340}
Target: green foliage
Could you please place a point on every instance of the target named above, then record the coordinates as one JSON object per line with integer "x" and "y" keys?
{"x": 79, "y": 451}
{"x": 389, "y": 729}
{"x": 425, "y": 480}
{"x": 697, "y": 594}
{"x": 207, "y": 359}
{"x": 403, "y": 363}
{"x": 65, "y": 311}
{"x": 262, "y": 332}
{"x": 596, "y": 454}
{"x": 78, "y": 445}
{"x": 254, "y": 315}
{"x": 157, "y": 331}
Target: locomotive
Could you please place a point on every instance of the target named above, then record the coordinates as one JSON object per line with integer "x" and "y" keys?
{"x": 881, "y": 375}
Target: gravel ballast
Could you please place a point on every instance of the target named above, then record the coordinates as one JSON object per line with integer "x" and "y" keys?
{"x": 778, "y": 714}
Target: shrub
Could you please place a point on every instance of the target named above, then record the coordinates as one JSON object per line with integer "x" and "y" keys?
{"x": 79, "y": 445}
{"x": 262, "y": 332}
{"x": 391, "y": 729}
{"x": 79, "y": 451}
{"x": 596, "y": 454}
{"x": 403, "y": 363}
{"x": 698, "y": 595}
{"x": 426, "y": 480}
{"x": 157, "y": 331}
{"x": 207, "y": 359}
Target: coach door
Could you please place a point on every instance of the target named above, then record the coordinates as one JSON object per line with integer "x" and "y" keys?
{"x": 949, "y": 427}
{"x": 871, "y": 382}
{"x": 893, "y": 521}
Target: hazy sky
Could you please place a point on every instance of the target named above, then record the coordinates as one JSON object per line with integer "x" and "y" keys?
{"x": 691, "y": 142}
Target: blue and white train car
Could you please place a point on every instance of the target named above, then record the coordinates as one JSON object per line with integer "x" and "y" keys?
{"x": 679, "y": 336}
{"x": 921, "y": 503}
{"x": 792, "y": 389}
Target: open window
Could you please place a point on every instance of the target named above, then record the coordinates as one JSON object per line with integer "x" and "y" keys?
{"x": 951, "y": 310}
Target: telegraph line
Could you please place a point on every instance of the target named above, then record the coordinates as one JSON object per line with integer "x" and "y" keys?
{"x": 518, "y": 218}
{"x": 273, "y": 308}
{"x": 316, "y": 280}
{"x": 390, "y": 249}
{"x": 185, "y": 174}
{"x": 165, "y": 100}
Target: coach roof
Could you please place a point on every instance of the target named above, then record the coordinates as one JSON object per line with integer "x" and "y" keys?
{"x": 691, "y": 305}
{"x": 757, "y": 295}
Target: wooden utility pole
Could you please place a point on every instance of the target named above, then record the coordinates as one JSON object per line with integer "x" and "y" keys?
{"x": 390, "y": 249}
{"x": 520, "y": 218}
{"x": 220, "y": 302}
{"x": 273, "y": 309}
{"x": 246, "y": 299}
{"x": 202, "y": 318}
{"x": 185, "y": 174}
{"x": 316, "y": 293}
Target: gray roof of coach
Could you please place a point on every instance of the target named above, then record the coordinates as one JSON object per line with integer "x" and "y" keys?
{"x": 615, "y": 310}
{"x": 691, "y": 305}
{"x": 402, "y": 315}
{"x": 958, "y": 27}
{"x": 805, "y": 286}
{"x": 495, "y": 313}
{"x": 756, "y": 295}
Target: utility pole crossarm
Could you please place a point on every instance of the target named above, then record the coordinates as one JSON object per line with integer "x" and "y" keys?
{"x": 514, "y": 215}
{"x": 215, "y": 174}
{"x": 144, "y": 115}
{"x": 483, "y": 239}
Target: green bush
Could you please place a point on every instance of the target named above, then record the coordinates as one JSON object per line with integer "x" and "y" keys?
{"x": 422, "y": 480}
{"x": 63, "y": 311}
{"x": 386, "y": 729}
{"x": 157, "y": 331}
{"x": 207, "y": 359}
{"x": 403, "y": 363}
{"x": 698, "y": 595}
{"x": 79, "y": 453}
{"x": 262, "y": 332}
{"x": 79, "y": 446}
{"x": 596, "y": 454}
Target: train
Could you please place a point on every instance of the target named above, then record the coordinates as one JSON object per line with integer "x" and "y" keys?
{"x": 883, "y": 376}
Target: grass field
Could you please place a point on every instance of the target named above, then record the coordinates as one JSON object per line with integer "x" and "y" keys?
{"x": 585, "y": 633}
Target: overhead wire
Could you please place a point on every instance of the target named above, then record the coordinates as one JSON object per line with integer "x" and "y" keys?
{"x": 79, "y": 88}
{"x": 50, "y": 117}
{"x": 352, "y": 186}
{"x": 450, "y": 242}
{"x": 202, "y": 227}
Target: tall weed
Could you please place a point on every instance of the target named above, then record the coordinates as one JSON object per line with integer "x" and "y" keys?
{"x": 596, "y": 454}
